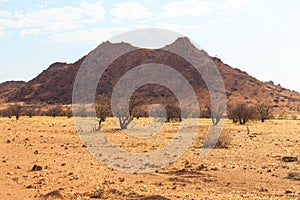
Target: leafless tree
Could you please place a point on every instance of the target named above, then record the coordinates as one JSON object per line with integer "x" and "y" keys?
{"x": 55, "y": 111}
{"x": 124, "y": 118}
{"x": 7, "y": 112}
{"x": 16, "y": 110}
{"x": 69, "y": 112}
{"x": 241, "y": 113}
{"x": 173, "y": 112}
{"x": 216, "y": 113}
{"x": 264, "y": 111}
{"x": 102, "y": 110}
{"x": 30, "y": 110}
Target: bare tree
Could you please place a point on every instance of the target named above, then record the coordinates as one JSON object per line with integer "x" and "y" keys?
{"x": 69, "y": 112}
{"x": 264, "y": 111}
{"x": 7, "y": 112}
{"x": 173, "y": 112}
{"x": 30, "y": 110}
{"x": 16, "y": 110}
{"x": 102, "y": 110}
{"x": 124, "y": 118}
{"x": 241, "y": 113}
{"x": 55, "y": 111}
{"x": 216, "y": 113}
{"x": 282, "y": 115}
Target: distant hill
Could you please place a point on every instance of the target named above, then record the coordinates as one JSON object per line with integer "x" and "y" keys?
{"x": 9, "y": 88}
{"x": 55, "y": 84}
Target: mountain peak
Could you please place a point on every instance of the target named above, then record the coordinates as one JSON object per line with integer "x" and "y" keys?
{"x": 181, "y": 43}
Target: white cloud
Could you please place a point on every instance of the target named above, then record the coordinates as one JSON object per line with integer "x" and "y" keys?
{"x": 197, "y": 8}
{"x": 2, "y": 32}
{"x": 53, "y": 20}
{"x": 97, "y": 35}
{"x": 235, "y": 4}
{"x": 4, "y": 13}
{"x": 1, "y": 1}
{"x": 185, "y": 8}
{"x": 130, "y": 10}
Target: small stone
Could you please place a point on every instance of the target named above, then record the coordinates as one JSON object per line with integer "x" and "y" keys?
{"x": 98, "y": 194}
{"x": 53, "y": 195}
{"x": 288, "y": 192}
{"x": 294, "y": 176}
{"x": 289, "y": 159}
{"x": 200, "y": 167}
{"x": 36, "y": 152}
{"x": 29, "y": 187}
{"x": 263, "y": 190}
{"x": 36, "y": 168}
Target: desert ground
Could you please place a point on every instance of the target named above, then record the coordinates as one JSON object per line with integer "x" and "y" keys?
{"x": 44, "y": 158}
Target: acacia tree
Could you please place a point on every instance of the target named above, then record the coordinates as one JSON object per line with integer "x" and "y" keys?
{"x": 215, "y": 113}
{"x": 264, "y": 111}
{"x": 30, "y": 110}
{"x": 16, "y": 110}
{"x": 135, "y": 110}
{"x": 241, "y": 113}
{"x": 102, "y": 110}
{"x": 55, "y": 111}
{"x": 69, "y": 112}
{"x": 173, "y": 112}
{"x": 7, "y": 112}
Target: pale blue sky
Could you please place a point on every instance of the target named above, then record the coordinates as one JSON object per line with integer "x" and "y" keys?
{"x": 259, "y": 37}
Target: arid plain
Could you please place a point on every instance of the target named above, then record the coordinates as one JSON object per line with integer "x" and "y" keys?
{"x": 44, "y": 158}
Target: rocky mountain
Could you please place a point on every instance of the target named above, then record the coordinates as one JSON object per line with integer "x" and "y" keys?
{"x": 9, "y": 88}
{"x": 55, "y": 84}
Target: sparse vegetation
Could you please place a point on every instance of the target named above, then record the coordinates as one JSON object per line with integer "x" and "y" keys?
{"x": 173, "y": 113}
{"x": 264, "y": 111}
{"x": 215, "y": 113}
{"x": 241, "y": 113}
{"x": 29, "y": 110}
{"x": 102, "y": 110}
{"x": 16, "y": 110}
{"x": 55, "y": 111}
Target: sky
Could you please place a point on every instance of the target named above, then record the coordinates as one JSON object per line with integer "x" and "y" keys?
{"x": 259, "y": 37}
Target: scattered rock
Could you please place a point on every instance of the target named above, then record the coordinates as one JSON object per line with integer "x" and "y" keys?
{"x": 289, "y": 159}
{"x": 53, "y": 195}
{"x": 200, "y": 167}
{"x": 121, "y": 179}
{"x": 155, "y": 197}
{"x": 15, "y": 179}
{"x": 288, "y": 192}
{"x": 294, "y": 176}
{"x": 8, "y": 141}
{"x": 36, "y": 152}
{"x": 29, "y": 186}
{"x": 97, "y": 194}
{"x": 36, "y": 168}
{"x": 263, "y": 190}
